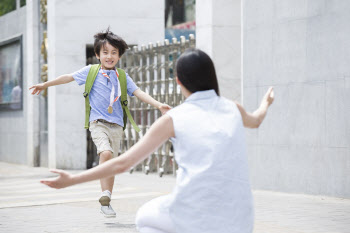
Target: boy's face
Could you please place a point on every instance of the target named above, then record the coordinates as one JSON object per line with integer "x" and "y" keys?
{"x": 109, "y": 56}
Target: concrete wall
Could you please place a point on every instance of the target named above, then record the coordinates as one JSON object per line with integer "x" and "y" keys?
{"x": 302, "y": 48}
{"x": 19, "y": 131}
{"x": 71, "y": 26}
{"x": 13, "y": 124}
{"x": 218, "y": 32}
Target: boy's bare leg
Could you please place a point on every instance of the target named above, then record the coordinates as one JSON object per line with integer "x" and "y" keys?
{"x": 106, "y": 183}
{"x": 107, "y": 187}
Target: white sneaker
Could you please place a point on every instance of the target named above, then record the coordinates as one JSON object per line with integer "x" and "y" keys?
{"x": 106, "y": 208}
{"x": 105, "y": 198}
{"x": 108, "y": 211}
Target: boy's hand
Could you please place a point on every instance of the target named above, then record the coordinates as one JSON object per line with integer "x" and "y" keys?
{"x": 63, "y": 180}
{"x": 164, "y": 108}
{"x": 37, "y": 88}
{"x": 269, "y": 97}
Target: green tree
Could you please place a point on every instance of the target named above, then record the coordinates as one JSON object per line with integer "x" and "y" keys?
{"x": 7, "y": 6}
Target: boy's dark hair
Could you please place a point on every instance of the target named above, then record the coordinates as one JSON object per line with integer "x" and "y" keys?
{"x": 196, "y": 71}
{"x": 102, "y": 38}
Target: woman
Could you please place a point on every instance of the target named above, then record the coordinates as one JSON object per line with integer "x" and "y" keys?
{"x": 212, "y": 192}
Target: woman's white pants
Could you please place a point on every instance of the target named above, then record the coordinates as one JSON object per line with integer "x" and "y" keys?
{"x": 153, "y": 217}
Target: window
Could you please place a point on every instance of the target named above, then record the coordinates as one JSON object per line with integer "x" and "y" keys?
{"x": 11, "y": 74}
{"x": 7, "y": 6}
{"x": 23, "y": 3}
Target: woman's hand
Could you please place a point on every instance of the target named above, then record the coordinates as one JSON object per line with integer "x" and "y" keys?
{"x": 268, "y": 97}
{"x": 254, "y": 120}
{"x": 63, "y": 180}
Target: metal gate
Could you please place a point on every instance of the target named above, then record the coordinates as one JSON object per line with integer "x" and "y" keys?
{"x": 152, "y": 68}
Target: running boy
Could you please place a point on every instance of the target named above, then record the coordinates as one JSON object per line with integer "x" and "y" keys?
{"x": 106, "y": 116}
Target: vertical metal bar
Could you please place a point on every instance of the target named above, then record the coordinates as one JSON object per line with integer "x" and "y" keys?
{"x": 134, "y": 101}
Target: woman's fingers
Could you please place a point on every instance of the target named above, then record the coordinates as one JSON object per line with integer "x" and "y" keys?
{"x": 269, "y": 96}
{"x": 57, "y": 171}
{"x": 269, "y": 91}
{"x": 51, "y": 184}
{"x": 47, "y": 182}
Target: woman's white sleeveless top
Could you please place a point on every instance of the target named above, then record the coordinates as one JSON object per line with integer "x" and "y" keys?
{"x": 212, "y": 192}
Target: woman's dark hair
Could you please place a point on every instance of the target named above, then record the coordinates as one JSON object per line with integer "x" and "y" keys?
{"x": 116, "y": 41}
{"x": 196, "y": 71}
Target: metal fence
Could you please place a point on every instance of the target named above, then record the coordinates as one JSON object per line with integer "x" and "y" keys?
{"x": 152, "y": 68}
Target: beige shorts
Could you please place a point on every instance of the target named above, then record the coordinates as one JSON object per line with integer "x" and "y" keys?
{"x": 106, "y": 136}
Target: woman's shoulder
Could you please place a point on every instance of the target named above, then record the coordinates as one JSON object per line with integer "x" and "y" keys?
{"x": 182, "y": 109}
{"x": 226, "y": 101}
{"x": 176, "y": 110}
{"x": 183, "y": 112}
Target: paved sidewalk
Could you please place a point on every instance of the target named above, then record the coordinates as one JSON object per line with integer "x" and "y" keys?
{"x": 28, "y": 206}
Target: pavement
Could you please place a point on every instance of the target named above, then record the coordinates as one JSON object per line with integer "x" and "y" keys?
{"x": 28, "y": 206}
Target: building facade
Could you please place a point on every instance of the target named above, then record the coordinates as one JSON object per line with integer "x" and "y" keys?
{"x": 302, "y": 48}
{"x": 48, "y": 130}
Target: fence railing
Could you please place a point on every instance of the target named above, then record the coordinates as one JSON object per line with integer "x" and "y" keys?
{"x": 152, "y": 68}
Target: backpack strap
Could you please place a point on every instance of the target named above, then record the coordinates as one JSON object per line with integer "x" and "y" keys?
{"x": 124, "y": 100}
{"x": 88, "y": 85}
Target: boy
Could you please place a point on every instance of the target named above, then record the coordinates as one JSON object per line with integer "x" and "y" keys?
{"x": 106, "y": 116}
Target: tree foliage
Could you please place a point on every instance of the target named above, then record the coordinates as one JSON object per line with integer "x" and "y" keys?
{"x": 7, "y": 6}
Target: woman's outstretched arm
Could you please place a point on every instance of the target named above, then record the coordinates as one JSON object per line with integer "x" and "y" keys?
{"x": 253, "y": 120}
{"x": 159, "y": 132}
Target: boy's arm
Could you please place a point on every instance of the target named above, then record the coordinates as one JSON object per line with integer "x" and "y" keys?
{"x": 144, "y": 97}
{"x": 253, "y": 120}
{"x": 159, "y": 132}
{"x": 66, "y": 78}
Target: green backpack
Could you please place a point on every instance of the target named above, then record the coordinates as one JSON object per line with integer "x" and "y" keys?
{"x": 123, "y": 98}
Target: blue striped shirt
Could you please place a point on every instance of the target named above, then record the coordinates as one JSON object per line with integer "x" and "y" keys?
{"x": 100, "y": 93}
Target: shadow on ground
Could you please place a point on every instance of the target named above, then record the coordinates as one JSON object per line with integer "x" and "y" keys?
{"x": 119, "y": 225}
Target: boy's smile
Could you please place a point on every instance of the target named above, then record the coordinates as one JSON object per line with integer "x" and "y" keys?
{"x": 109, "y": 56}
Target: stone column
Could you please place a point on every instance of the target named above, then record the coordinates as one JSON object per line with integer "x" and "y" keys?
{"x": 218, "y": 32}
{"x": 51, "y": 33}
{"x": 32, "y": 74}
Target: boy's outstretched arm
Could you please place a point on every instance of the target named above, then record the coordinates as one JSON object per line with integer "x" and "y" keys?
{"x": 144, "y": 97}
{"x": 159, "y": 132}
{"x": 253, "y": 120}
{"x": 66, "y": 78}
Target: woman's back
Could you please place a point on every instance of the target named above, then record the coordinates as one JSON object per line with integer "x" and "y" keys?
{"x": 212, "y": 192}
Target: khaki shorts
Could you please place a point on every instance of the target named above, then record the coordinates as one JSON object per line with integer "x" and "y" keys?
{"x": 106, "y": 136}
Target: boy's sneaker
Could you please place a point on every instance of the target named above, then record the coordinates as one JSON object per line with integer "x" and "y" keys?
{"x": 108, "y": 211}
{"x": 105, "y": 198}
{"x": 106, "y": 208}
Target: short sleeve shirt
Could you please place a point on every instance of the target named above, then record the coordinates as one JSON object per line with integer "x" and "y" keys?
{"x": 100, "y": 94}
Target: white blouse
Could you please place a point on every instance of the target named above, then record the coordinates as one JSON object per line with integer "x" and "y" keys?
{"x": 212, "y": 192}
